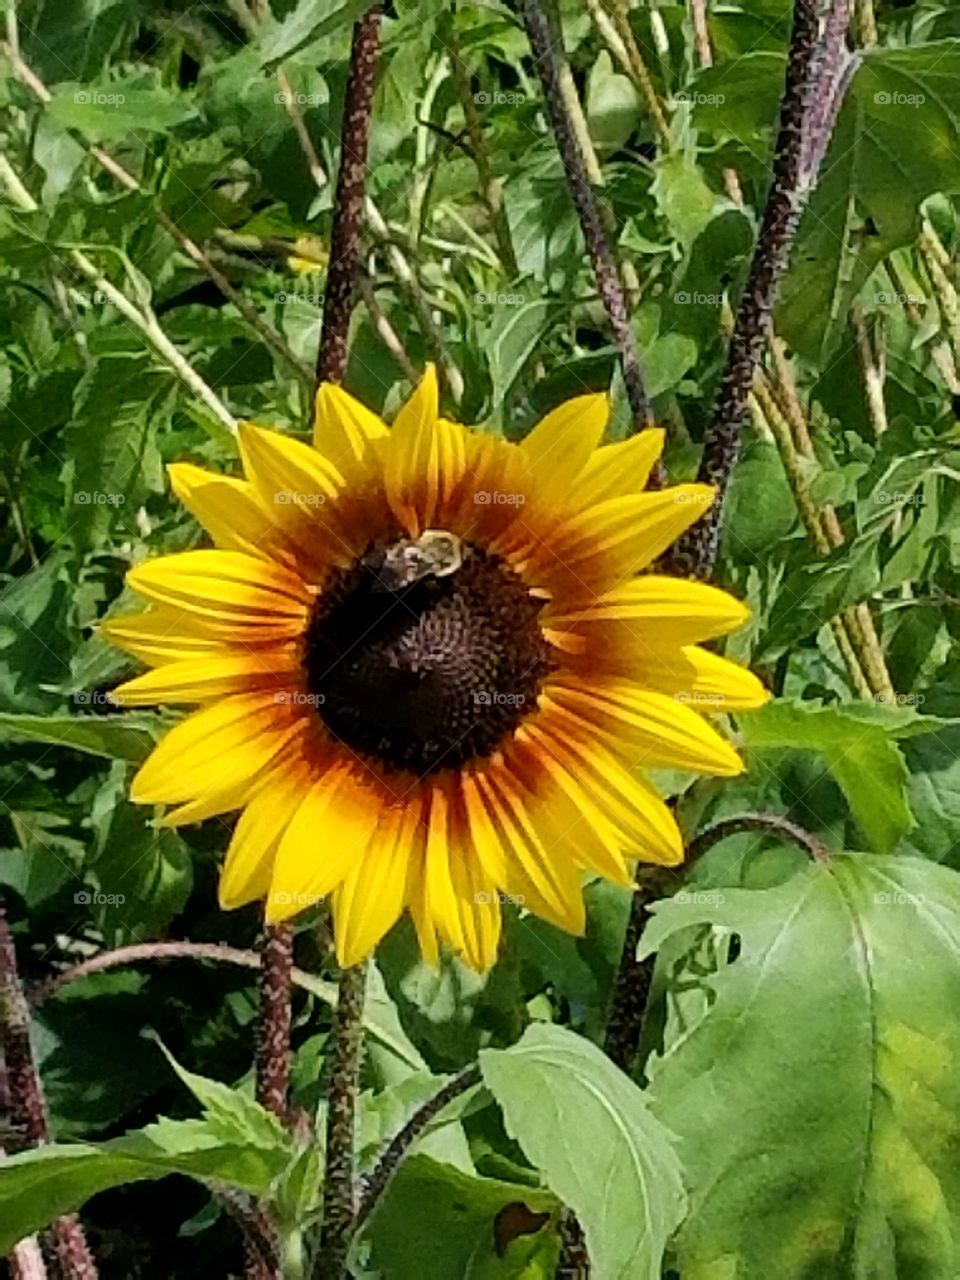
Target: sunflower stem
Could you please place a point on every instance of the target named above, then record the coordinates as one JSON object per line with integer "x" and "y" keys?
{"x": 350, "y": 197}
{"x": 340, "y": 1188}
{"x": 601, "y": 255}
{"x": 28, "y": 1112}
{"x": 274, "y": 1020}
{"x": 400, "y": 1144}
{"x": 794, "y": 165}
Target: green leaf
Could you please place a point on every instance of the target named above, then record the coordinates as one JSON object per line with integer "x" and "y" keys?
{"x": 612, "y": 105}
{"x": 435, "y": 1220}
{"x": 130, "y": 735}
{"x": 817, "y": 1102}
{"x": 624, "y": 1184}
{"x": 38, "y": 1186}
{"x": 307, "y": 21}
{"x": 862, "y": 756}
{"x": 115, "y": 109}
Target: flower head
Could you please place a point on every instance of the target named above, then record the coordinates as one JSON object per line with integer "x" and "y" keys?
{"x": 429, "y": 664}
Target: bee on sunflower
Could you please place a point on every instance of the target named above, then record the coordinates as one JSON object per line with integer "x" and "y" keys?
{"x": 431, "y": 666}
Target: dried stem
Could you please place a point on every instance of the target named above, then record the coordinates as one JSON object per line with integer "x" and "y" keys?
{"x": 639, "y": 72}
{"x": 28, "y": 1111}
{"x": 126, "y": 179}
{"x": 696, "y": 551}
{"x": 598, "y": 248}
{"x": 339, "y": 1188}
{"x": 144, "y": 320}
{"x": 631, "y": 988}
{"x": 400, "y": 1144}
{"x": 490, "y": 189}
{"x": 349, "y": 202}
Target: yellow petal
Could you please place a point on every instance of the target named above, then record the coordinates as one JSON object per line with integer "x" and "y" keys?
{"x": 161, "y": 635}
{"x": 214, "y": 750}
{"x": 657, "y": 729}
{"x": 230, "y": 510}
{"x": 343, "y": 430}
{"x": 479, "y": 906}
{"x": 370, "y": 900}
{"x": 545, "y": 881}
{"x": 286, "y": 472}
{"x": 330, "y": 832}
{"x": 201, "y": 679}
{"x": 700, "y": 679}
{"x": 665, "y": 610}
{"x": 618, "y": 469}
{"x": 248, "y": 867}
{"x": 624, "y": 809}
{"x": 441, "y": 897}
{"x": 611, "y": 799}
{"x": 620, "y": 536}
{"x": 223, "y": 590}
{"x": 412, "y": 469}
{"x": 559, "y": 446}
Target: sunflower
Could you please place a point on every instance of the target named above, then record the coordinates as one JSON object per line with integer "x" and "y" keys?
{"x": 431, "y": 668}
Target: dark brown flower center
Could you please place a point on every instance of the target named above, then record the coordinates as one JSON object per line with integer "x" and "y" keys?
{"x": 426, "y": 674}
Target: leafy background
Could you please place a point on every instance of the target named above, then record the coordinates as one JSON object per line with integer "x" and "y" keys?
{"x": 798, "y": 1109}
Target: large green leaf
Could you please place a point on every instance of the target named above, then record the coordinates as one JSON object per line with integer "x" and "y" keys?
{"x": 38, "y": 1186}
{"x": 438, "y": 1221}
{"x": 128, "y": 736}
{"x": 623, "y": 1180}
{"x": 817, "y": 1102}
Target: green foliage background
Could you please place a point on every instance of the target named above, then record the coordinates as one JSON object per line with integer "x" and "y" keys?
{"x": 798, "y": 1110}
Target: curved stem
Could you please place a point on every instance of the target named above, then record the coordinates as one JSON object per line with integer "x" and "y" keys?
{"x": 769, "y": 824}
{"x": 399, "y": 1145}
